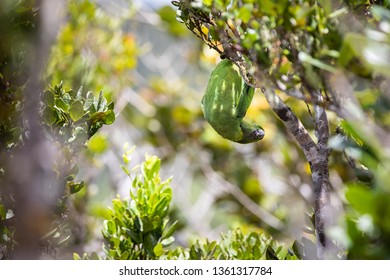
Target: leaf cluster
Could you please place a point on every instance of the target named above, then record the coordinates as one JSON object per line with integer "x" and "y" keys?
{"x": 139, "y": 228}
{"x": 295, "y": 46}
{"x": 93, "y": 50}
{"x": 288, "y": 41}
{"x": 237, "y": 245}
{"x": 366, "y": 230}
{"x": 74, "y": 117}
{"x": 17, "y": 23}
{"x": 70, "y": 119}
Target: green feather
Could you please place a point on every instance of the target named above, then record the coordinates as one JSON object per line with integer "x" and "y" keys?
{"x": 225, "y": 103}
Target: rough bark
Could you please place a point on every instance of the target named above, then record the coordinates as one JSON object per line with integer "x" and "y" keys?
{"x": 317, "y": 155}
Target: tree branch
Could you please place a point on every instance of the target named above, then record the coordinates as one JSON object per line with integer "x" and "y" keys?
{"x": 320, "y": 171}
{"x": 245, "y": 201}
{"x": 316, "y": 154}
{"x": 292, "y": 123}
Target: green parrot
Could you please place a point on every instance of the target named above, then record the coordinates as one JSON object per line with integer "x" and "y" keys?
{"x": 226, "y": 100}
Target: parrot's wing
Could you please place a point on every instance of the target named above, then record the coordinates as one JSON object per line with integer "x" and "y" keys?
{"x": 244, "y": 100}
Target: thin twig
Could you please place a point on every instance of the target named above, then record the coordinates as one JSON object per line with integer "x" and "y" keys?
{"x": 241, "y": 197}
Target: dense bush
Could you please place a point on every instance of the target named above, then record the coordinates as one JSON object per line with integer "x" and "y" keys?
{"x": 140, "y": 228}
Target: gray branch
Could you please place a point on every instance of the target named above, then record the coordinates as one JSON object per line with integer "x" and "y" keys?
{"x": 317, "y": 155}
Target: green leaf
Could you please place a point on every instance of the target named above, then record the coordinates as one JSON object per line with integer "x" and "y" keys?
{"x": 80, "y": 94}
{"x": 135, "y": 237}
{"x": 271, "y": 254}
{"x": 151, "y": 166}
{"x": 160, "y": 209}
{"x": 167, "y": 241}
{"x": 133, "y": 208}
{"x": 48, "y": 98}
{"x": 75, "y": 187}
{"x": 61, "y": 104}
{"x": 245, "y": 12}
{"x": 361, "y": 198}
{"x": 109, "y": 117}
{"x": 110, "y": 227}
{"x": 66, "y": 97}
{"x": 170, "y": 231}
{"x": 158, "y": 249}
{"x": 148, "y": 224}
{"x": 213, "y": 34}
{"x": 111, "y": 106}
{"x": 195, "y": 251}
{"x": 79, "y": 134}
{"x": 76, "y": 110}
{"x": 306, "y": 58}
{"x": 49, "y": 116}
{"x": 150, "y": 242}
{"x": 380, "y": 13}
{"x": 102, "y": 103}
{"x": 139, "y": 224}
{"x": 98, "y": 144}
{"x": 351, "y": 54}
{"x": 368, "y": 151}
{"x": 89, "y": 102}
{"x": 250, "y": 38}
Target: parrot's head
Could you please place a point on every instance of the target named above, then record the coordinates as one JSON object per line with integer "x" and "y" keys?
{"x": 251, "y": 133}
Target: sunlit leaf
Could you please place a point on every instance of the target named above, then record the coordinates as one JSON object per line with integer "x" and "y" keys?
{"x": 306, "y": 58}
{"x": 98, "y": 143}
{"x": 76, "y": 110}
{"x": 61, "y": 104}
{"x": 168, "y": 232}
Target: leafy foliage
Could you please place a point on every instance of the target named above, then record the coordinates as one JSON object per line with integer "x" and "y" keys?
{"x": 70, "y": 119}
{"x": 291, "y": 40}
{"x": 75, "y": 117}
{"x": 340, "y": 48}
{"x": 366, "y": 228}
{"x": 92, "y": 50}
{"x": 235, "y": 245}
{"x": 295, "y": 46}
{"x": 141, "y": 229}
{"x": 16, "y": 21}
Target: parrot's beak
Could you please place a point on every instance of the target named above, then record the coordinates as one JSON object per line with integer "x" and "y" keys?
{"x": 259, "y": 134}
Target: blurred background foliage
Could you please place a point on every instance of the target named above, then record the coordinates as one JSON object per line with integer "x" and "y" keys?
{"x": 156, "y": 71}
